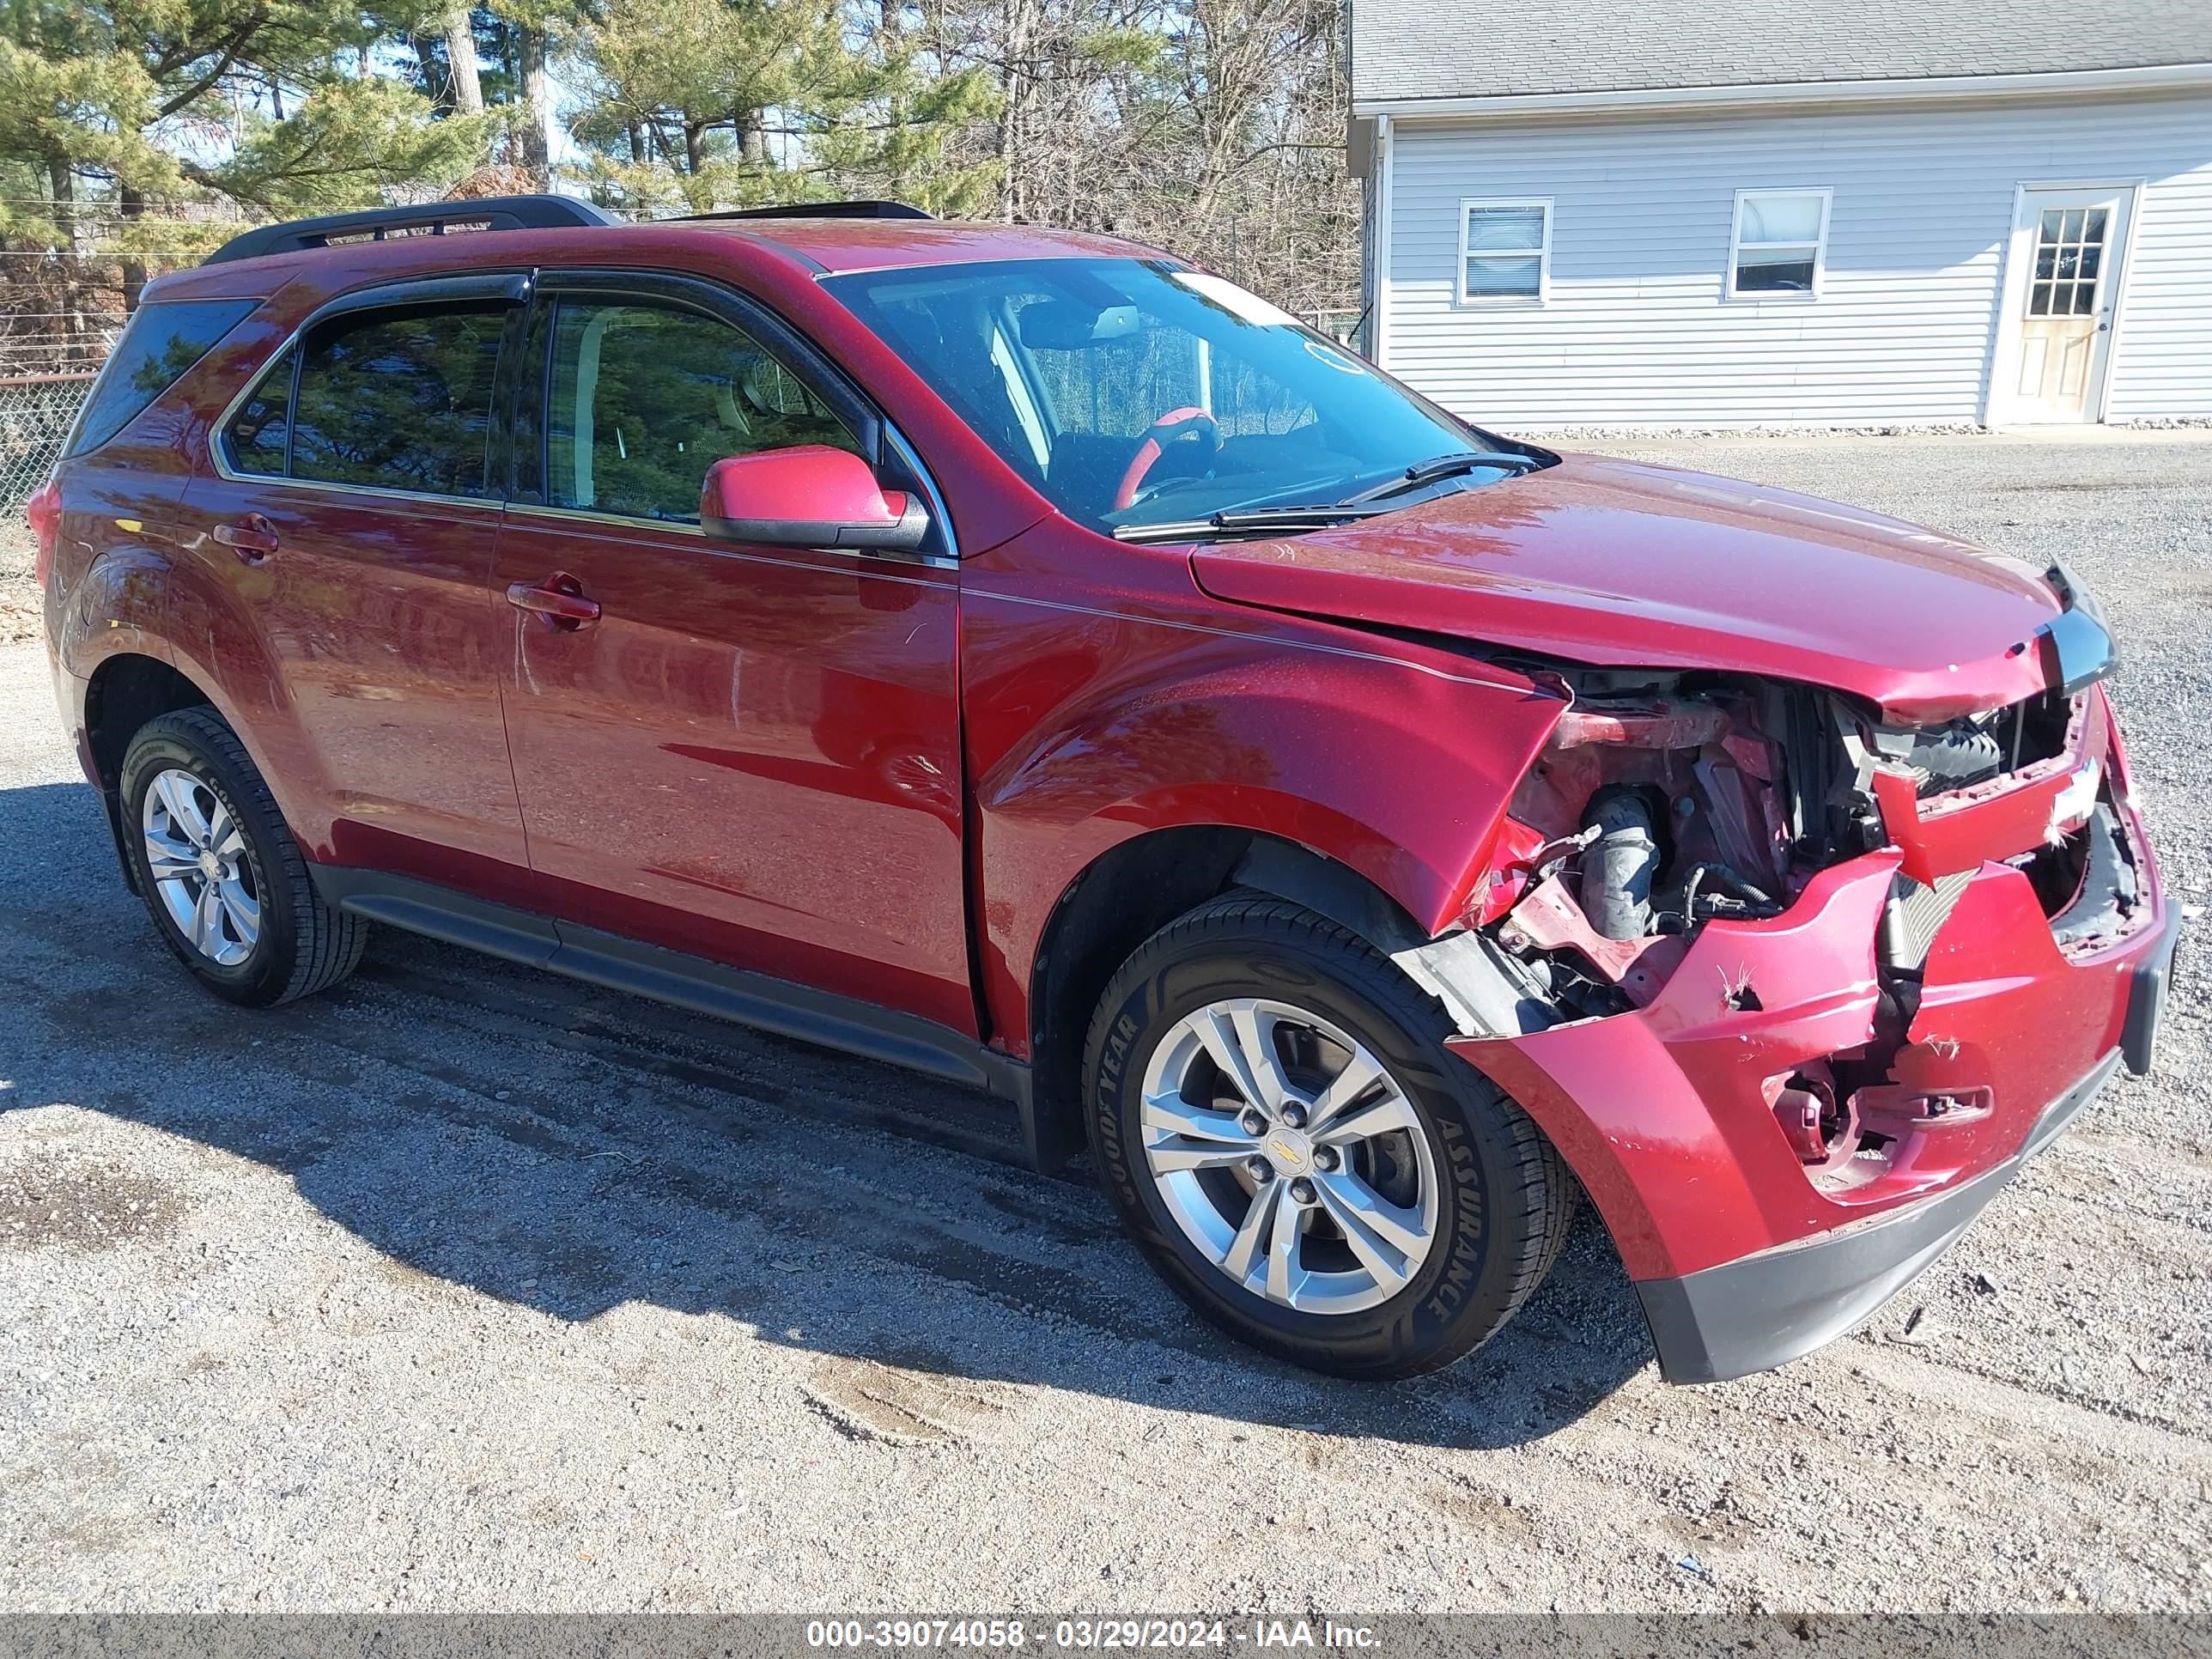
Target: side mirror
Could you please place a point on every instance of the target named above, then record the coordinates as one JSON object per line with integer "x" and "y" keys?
{"x": 808, "y": 496}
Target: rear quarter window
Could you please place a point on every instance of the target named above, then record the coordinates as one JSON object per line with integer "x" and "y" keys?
{"x": 163, "y": 339}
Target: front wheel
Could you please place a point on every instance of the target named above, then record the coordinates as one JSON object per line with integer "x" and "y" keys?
{"x": 1291, "y": 1144}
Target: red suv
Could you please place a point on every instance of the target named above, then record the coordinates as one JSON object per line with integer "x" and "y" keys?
{"x": 1032, "y": 659}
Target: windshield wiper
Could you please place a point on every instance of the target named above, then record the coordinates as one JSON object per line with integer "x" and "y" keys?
{"x": 1443, "y": 466}
{"x": 1252, "y": 520}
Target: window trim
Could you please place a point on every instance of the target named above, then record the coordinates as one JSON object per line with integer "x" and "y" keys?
{"x": 511, "y": 288}
{"x": 1542, "y": 251}
{"x": 1730, "y": 292}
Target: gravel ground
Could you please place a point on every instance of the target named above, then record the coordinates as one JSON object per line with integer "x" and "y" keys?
{"x": 19, "y": 594}
{"x": 466, "y": 1287}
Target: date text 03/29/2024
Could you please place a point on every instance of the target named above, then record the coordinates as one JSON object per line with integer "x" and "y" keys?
{"x": 1084, "y": 1635}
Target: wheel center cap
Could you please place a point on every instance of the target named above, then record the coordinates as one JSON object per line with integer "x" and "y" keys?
{"x": 210, "y": 866}
{"x": 1289, "y": 1150}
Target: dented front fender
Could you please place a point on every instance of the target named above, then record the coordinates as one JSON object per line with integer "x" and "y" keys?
{"x": 1093, "y": 720}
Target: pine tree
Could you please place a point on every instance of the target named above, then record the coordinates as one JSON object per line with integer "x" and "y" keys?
{"x": 708, "y": 103}
{"x": 275, "y": 106}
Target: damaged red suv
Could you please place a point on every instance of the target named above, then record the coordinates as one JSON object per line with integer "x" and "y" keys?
{"x": 1029, "y": 659}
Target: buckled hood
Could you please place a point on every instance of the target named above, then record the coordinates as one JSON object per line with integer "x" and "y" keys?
{"x": 1614, "y": 563}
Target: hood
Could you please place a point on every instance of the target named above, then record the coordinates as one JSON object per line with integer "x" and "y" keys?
{"x": 1613, "y": 563}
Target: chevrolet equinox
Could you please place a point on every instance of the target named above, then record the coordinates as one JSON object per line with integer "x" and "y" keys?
{"x": 1030, "y": 658}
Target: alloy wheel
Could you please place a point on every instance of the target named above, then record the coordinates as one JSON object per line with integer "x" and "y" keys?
{"x": 195, "y": 856}
{"x": 1289, "y": 1156}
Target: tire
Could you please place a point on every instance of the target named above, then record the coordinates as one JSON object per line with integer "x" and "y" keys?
{"x": 298, "y": 944}
{"x": 1501, "y": 1197}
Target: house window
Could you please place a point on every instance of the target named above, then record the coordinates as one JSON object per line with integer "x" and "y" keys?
{"x": 1505, "y": 252}
{"x": 1780, "y": 237}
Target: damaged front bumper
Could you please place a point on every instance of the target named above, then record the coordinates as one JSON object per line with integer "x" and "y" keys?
{"x": 1745, "y": 1253}
{"x": 1766, "y": 1310}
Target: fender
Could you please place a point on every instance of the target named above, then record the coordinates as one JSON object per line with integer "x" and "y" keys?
{"x": 118, "y": 607}
{"x": 216, "y": 640}
{"x": 1354, "y": 748}
{"x": 115, "y": 608}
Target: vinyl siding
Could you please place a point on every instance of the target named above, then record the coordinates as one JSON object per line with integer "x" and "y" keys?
{"x": 1635, "y": 330}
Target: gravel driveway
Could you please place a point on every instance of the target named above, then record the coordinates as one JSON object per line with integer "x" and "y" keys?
{"x": 468, "y": 1287}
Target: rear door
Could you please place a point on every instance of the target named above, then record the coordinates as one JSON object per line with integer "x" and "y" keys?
{"x": 744, "y": 752}
{"x": 349, "y": 529}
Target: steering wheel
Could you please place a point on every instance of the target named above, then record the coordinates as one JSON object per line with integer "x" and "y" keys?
{"x": 1188, "y": 422}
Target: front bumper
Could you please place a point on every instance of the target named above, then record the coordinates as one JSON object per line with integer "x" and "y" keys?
{"x": 1744, "y": 1257}
{"x": 1767, "y": 1309}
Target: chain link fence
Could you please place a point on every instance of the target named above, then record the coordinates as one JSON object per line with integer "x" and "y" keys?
{"x": 36, "y": 413}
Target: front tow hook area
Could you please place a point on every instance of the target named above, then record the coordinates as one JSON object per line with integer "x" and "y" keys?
{"x": 1765, "y": 1310}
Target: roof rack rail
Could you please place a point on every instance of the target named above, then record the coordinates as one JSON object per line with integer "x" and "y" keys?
{"x": 820, "y": 210}
{"x": 430, "y": 219}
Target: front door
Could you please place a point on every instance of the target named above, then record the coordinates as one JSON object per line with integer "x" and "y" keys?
{"x": 743, "y": 752}
{"x": 2072, "y": 240}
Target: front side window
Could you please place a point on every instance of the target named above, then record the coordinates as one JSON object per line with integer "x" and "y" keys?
{"x": 1133, "y": 393}
{"x": 1505, "y": 251}
{"x": 1781, "y": 236}
{"x": 645, "y": 397}
{"x": 399, "y": 400}
{"x": 164, "y": 339}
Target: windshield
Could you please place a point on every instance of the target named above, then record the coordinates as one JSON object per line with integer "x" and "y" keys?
{"x": 1132, "y": 393}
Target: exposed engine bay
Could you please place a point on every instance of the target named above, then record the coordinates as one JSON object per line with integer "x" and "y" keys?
{"x": 1666, "y": 800}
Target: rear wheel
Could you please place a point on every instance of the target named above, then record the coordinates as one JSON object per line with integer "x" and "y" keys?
{"x": 1292, "y": 1145}
{"x": 226, "y": 883}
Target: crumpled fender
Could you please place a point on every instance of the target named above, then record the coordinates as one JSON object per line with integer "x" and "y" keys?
{"x": 1378, "y": 780}
{"x": 1087, "y": 730}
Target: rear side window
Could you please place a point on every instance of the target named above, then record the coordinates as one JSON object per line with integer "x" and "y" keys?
{"x": 391, "y": 400}
{"x": 163, "y": 339}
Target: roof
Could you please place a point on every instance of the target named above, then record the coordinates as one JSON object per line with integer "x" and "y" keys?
{"x": 838, "y": 245}
{"x": 820, "y": 245}
{"x": 1474, "y": 49}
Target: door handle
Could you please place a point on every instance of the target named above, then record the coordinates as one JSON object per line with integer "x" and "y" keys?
{"x": 559, "y": 598}
{"x": 254, "y": 539}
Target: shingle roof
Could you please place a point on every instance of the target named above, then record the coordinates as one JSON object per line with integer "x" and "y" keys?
{"x": 1494, "y": 48}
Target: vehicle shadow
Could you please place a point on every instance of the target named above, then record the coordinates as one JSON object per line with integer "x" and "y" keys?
{"x": 572, "y": 1149}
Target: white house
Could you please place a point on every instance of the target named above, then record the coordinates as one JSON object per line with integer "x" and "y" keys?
{"x": 1819, "y": 212}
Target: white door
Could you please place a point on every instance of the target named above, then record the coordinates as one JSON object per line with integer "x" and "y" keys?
{"x": 2070, "y": 242}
